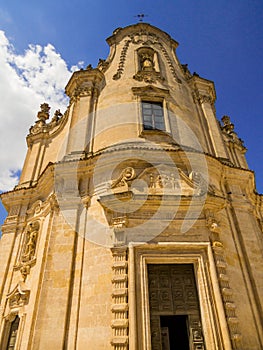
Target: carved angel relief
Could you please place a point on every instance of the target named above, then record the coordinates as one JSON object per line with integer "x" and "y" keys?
{"x": 162, "y": 179}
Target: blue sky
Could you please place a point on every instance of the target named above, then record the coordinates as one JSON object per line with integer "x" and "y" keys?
{"x": 220, "y": 40}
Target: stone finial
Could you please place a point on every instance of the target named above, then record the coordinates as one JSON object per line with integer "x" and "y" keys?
{"x": 43, "y": 114}
{"x": 227, "y": 125}
{"x": 56, "y": 116}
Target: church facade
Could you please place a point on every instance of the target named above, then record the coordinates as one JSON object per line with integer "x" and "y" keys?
{"x": 136, "y": 223}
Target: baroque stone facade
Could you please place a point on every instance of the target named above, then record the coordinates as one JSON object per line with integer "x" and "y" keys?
{"x": 136, "y": 223}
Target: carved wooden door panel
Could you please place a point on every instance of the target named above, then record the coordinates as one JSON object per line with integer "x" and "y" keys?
{"x": 173, "y": 298}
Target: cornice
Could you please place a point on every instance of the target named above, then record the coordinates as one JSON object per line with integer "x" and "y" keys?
{"x": 83, "y": 82}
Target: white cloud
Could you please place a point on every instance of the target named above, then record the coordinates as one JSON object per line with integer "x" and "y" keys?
{"x": 27, "y": 80}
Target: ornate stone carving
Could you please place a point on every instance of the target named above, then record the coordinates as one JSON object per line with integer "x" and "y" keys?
{"x": 120, "y": 325}
{"x": 41, "y": 125}
{"x": 205, "y": 99}
{"x": 120, "y": 69}
{"x": 119, "y": 223}
{"x": 19, "y": 296}
{"x": 14, "y": 210}
{"x": 228, "y": 129}
{"x": 29, "y": 247}
{"x": 56, "y": 117}
{"x": 186, "y": 71}
{"x": 170, "y": 63}
{"x": 36, "y": 208}
{"x": 43, "y": 114}
{"x": 28, "y": 252}
{"x": 81, "y": 91}
{"x": 168, "y": 180}
{"x": 102, "y": 65}
{"x": 147, "y": 71}
{"x": 144, "y": 37}
{"x": 150, "y": 77}
{"x": 126, "y": 175}
{"x": 199, "y": 98}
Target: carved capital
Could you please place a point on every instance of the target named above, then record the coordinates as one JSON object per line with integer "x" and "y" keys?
{"x": 205, "y": 99}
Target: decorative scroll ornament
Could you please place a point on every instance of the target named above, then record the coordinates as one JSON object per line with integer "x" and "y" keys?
{"x": 126, "y": 175}
{"x": 19, "y": 296}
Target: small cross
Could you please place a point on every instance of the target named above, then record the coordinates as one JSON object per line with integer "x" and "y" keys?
{"x": 141, "y": 16}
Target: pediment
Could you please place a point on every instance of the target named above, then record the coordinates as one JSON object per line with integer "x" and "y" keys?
{"x": 163, "y": 179}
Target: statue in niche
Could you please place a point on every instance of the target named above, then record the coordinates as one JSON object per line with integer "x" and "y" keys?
{"x": 147, "y": 62}
{"x": 30, "y": 242}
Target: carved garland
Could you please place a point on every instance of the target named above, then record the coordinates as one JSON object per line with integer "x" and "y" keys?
{"x": 226, "y": 292}
{"x": 122, "y": 60}
{"x": 119, "y": 307}
{"x": 170, "y": 64}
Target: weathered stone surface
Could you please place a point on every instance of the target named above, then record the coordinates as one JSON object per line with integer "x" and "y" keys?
{"x": 111, "y": 191}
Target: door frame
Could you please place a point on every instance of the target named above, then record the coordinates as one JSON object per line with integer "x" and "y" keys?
{"x": 214, "y": 325}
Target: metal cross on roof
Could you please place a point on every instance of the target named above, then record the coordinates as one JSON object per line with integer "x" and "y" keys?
{"x": 141, "y": 16}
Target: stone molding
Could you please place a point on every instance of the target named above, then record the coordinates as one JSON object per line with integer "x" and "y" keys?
{"x": 120, "y": 307}
{"x": 199, "y": 254}
{"x": 226, "y": 291}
